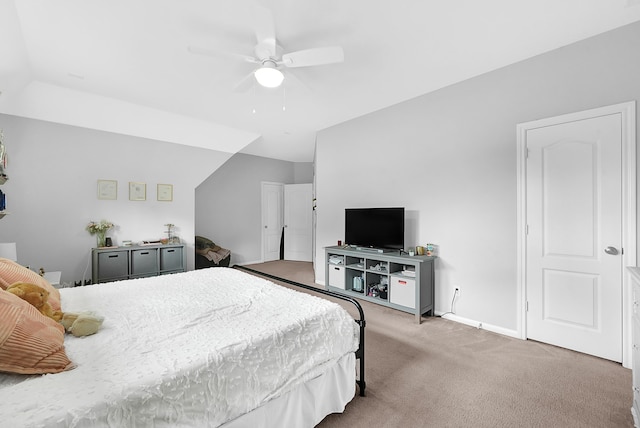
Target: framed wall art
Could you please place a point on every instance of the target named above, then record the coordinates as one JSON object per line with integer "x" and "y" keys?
{"x": 107, "y": 189}
{"x": 165, "y": 192}
{"x": 137, "y": 191}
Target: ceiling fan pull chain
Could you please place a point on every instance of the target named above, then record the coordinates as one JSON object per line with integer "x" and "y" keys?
{"x": 253, "y": 98}
{"x": 284, "y": 97}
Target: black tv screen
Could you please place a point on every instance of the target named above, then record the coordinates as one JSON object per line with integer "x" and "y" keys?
{"x": 374, "y": 227}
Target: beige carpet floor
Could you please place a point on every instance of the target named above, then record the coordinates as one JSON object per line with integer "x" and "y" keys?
{"x": 446, "y": 374}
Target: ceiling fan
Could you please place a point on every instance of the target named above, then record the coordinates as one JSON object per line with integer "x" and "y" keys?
{"x": 267, "y": 54}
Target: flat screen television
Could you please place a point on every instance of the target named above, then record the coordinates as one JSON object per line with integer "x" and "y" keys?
{"x": 380, "y": 228}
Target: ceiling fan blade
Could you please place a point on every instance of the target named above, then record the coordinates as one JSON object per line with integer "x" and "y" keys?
{"x": 221, "y": 54}
{"x": 265, "y": 30}
{"x": 315, "y": 56}
{"x": 245, "y": 84}
{"x": 293, "y": 81}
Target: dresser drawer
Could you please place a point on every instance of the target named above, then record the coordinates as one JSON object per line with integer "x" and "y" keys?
{"x": 144, "y": 262}
{"x": 171, "y": 259}
{"x": 113, "y": 265}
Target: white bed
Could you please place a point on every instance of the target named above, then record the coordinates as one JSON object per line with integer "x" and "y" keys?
{"x": 212, "y": 347}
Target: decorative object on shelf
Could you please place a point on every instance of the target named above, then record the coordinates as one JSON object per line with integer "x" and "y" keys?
{"x": 137, "y": 191}
{"x": 171, "y": 237}
{"x": 107, "y": 189}
{"x": 380, "y": 267}
{"x": 430, "y": 250}
{"x": 409, "y": 271}
{"x": 336, "y": 259}
{"x": 358, "y": 282}
{"x": 100, "y": 230}
{"x": 165, "y": 192}
{"x": 169, "y": 233}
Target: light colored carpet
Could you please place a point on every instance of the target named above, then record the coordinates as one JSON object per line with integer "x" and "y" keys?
{"x": 446, "y": 374}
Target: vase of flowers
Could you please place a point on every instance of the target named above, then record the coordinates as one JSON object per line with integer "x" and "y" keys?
{"x": 100, "y": 230}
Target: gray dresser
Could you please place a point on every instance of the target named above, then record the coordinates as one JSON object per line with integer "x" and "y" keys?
{"x": 114, "y": 264}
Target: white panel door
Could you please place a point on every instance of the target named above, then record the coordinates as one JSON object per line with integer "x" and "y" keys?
{"x": 574, "y": 235}
{"x": 298, "y": 222}
{"x": 272, "y": 220}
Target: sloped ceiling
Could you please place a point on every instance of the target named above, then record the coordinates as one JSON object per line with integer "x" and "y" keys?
{"x": 123, "y": 65}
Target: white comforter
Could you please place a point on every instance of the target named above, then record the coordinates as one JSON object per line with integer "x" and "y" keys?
{"x": 192, "y": 349}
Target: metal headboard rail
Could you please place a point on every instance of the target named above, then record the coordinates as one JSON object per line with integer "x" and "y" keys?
{"x": 361, "y": 322}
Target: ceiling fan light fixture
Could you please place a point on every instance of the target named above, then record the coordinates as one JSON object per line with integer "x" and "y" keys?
{"x": 268, "y": 75}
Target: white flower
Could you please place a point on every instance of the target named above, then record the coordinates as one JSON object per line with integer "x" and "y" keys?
{"x": 102, "y": 226}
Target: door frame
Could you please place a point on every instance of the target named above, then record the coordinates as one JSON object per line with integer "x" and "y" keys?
{"x": 262, "y": 213}
{"x": 627, "y": 111}
{"x": 286, "y": 211}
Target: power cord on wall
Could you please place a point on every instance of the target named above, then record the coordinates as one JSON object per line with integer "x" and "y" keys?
{"x": 455, "y": 294}
{"x": 84, "y": 275}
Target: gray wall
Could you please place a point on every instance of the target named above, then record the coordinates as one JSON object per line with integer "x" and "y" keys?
{"x": 52, "y": 190}
{"x": 228, "y": 203}
{"x": 449, "y": 157}
{"x": 302, "y": 172}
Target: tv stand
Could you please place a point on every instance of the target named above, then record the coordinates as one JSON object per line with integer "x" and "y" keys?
{"x": 407, "y": 282}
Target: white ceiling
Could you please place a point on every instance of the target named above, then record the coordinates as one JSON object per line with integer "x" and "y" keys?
{"x": 123, "y": 65}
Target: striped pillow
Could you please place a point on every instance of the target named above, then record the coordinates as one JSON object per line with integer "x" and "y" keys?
{"x": 11, "y": 272}
{"x": 30, "y": 343}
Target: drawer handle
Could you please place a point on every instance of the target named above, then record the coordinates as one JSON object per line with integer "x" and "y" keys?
{"x": 335, "y": 268}
{"x": 145, "y": 253}
{"x": 402, "y": 282}
{"x": 113, "y": 256}
{"x": 170, "y": 251}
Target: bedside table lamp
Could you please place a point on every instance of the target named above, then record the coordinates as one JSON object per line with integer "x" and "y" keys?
{"x": 8, "y": 251}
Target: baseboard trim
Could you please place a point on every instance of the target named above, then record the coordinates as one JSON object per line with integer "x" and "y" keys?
{"x": 249, "y": 263}
{"x": 473, "y": 323}
{"x": 480, "y": 325}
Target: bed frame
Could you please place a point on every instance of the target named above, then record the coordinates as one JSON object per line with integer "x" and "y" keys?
{"x": 361, "y": 322}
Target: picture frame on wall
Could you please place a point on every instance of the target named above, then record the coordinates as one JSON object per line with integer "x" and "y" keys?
{"x": 165, "y": 192}
{"x": 107, "y": 189}
{"x": 137, "y": 191}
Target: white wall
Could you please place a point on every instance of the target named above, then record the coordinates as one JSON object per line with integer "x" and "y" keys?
{"x": 302, "y": 172}
{"x": 228, "y": 203}
{"x": 52, "y": 190}
{"x": 449, "y": 157}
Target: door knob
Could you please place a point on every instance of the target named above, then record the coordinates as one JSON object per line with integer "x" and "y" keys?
{"x": 611, "y": 250}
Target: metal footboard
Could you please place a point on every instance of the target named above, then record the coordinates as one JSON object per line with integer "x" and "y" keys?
{"x": 361, "y": 322}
